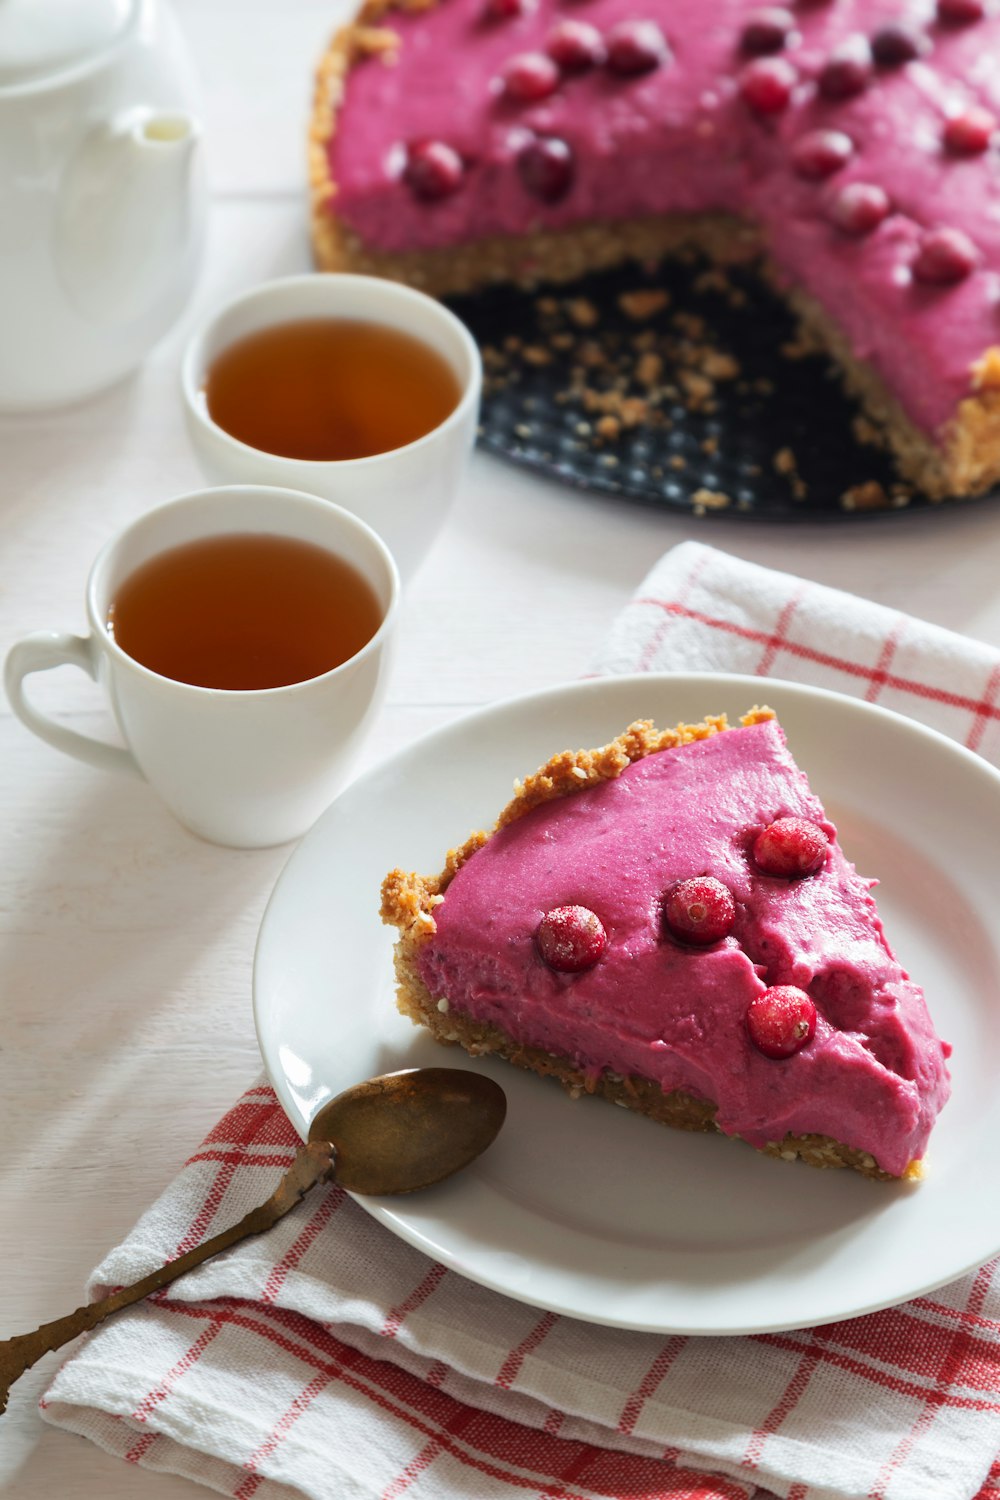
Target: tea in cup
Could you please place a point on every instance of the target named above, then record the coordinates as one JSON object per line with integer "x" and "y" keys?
{"x": 329, "y": 389}
{"x": 358, "y": 389}
{"x": 242, "y": 636}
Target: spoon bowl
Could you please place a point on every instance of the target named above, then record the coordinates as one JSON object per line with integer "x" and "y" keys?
{"x": 405, "y": 1131}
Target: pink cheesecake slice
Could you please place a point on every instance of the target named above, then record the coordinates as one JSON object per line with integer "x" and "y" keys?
{"x": 670, "y": 922}
{"x": 854, "y": 145}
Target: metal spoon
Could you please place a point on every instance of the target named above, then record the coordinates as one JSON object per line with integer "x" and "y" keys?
{"x": 393, "y": 1134}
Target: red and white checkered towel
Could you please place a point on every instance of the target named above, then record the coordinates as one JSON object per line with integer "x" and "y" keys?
{"x": 328, "y": 1359}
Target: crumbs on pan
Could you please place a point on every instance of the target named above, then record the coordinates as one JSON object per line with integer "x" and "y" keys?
{"x": 871, "y": 495}
{"x": 625, "y": 376}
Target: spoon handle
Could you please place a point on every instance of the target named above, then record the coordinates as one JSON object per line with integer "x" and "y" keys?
{"x": 313, "y": 1163}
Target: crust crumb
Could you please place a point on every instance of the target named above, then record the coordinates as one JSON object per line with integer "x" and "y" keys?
{"x": 866, "y": 432}
{"x": 703, "y": 500}
{"x": 718, "y": 365}
{"x": 619, "y": 410}
{"x": 644, "y": 304}
{"x": 867, "y": 496}
{"x": 786, "y": 463}
{"x": 986, "y": 371}
{"x": 375, "y": 41}
{"x": 649, "y": 368}
{"x": 582, "y": 312}
{"x": 697, "y": 387}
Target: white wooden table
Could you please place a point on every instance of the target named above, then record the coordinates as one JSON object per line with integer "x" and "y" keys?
{"x": 126, "y": 943}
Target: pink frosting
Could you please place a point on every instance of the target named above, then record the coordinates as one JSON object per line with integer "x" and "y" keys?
{"x": 680, "y": 139}
{"x": 874, "y": 1075}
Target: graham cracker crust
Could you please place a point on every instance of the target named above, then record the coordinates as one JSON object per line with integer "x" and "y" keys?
{"x": 964, "y": 462}
{"x": 409, "y": 900}
{"x": 967, "y": 463}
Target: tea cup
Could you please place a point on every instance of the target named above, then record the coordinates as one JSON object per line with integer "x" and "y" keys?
{"x": 405, "y": 493}
{"x": 244, "y": 767}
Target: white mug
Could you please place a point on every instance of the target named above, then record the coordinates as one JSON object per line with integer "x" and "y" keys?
{"x": 246, "y": 768}
{"x": 404, "y": 494}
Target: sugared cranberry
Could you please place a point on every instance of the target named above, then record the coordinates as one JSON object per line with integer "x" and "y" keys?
{"x": 781, "y": 1021}
{"x": 433, "y": 169}
{"x": 529, "y": 77}
{"x": 960, "y": 12}
{"x": 575, "y": 46}
{"x": 766, "y": 31}
{"x": 896, "y": 44}
{"x": 701, "y": 910}
{"x": 546, "y": 167}
{"x": 571, "y": 938}
{"x": 820, "y": 153}
{"x": 970, "y": 132}
{"x": 766, "y": 85}
{"x": 507, "y": 10}
{"x": 790, "y": 846}
{"x": 848, "y": 69}
{"x": 636, "y": 47}
{"x": 858, "y": 208}
{"x": 945, "y": 256}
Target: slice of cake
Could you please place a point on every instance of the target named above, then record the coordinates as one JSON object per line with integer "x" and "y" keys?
{"x": 856, "y": 145}
{"x": 670, "y": 921}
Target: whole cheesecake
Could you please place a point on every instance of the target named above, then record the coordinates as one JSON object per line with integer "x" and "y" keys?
{"x": 670, "y": 922}
{"x": 852, "y": 144}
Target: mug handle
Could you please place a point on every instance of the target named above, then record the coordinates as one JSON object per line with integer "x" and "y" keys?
{"x": 39, "y": 653}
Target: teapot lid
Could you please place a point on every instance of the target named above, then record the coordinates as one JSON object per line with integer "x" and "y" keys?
{"x": 41, "y": 37}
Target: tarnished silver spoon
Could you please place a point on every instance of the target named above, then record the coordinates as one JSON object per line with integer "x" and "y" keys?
{"x": 393, "y": 1134}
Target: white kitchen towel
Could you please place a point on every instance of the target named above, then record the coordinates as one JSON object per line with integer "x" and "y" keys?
{"x": 701, "y": 610}
{"x": 328, "y": 1359}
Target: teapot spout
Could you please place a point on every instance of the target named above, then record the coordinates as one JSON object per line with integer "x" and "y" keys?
{"x": 129, "y": 227}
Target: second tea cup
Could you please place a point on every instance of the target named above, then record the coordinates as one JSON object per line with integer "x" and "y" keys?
{"x": 404, "y": 493}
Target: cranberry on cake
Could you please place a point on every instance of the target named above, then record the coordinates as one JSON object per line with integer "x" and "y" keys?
{"x": 856, "y": 145}
{"x": 669, "y": 921}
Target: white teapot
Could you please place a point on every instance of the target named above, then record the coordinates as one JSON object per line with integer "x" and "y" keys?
{"x": 102, "y": 193}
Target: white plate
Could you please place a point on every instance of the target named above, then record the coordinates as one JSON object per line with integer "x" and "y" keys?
{"x": 601, "y": 1214}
